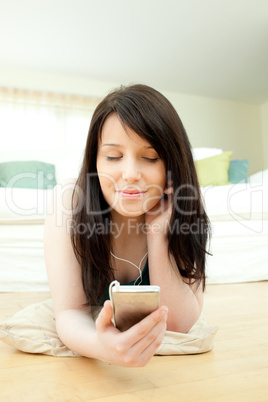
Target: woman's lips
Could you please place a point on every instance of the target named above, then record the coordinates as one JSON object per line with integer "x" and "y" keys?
{"x": 131, "y": 194}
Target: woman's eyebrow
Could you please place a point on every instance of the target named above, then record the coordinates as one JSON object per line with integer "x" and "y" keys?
{"x": 118, "y": 145}
{"x": 111, "y": 145}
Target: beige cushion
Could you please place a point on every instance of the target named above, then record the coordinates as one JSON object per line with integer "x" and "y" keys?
{"x": 198, "y": 340}
{"x": 33, "y": 330}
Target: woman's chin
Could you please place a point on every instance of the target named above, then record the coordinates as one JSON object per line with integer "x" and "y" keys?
{"x": 132, "y": 213}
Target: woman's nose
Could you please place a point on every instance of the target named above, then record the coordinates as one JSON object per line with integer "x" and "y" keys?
{"x": 131, "y": 173}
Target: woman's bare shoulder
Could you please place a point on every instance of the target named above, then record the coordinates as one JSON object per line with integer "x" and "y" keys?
{"x": 64, "y": 197}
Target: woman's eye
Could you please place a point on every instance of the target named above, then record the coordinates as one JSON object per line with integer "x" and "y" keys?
{"x": 113, "y": 158}
{"x": 152, "y": 160}
{"x": 116, "y": 158}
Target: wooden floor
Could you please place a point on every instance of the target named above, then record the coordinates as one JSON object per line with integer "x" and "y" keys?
{"x": 236, "y": 370}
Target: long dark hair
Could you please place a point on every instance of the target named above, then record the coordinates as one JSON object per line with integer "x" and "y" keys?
{"x": 149, "y": 114}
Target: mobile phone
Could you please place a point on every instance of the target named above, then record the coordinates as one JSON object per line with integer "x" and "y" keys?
{"x": 132, "y": 303}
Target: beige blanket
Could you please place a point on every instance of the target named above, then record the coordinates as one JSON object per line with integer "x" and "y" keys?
{"x": 33, "y": 330}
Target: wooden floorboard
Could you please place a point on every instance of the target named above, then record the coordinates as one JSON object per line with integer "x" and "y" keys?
{"x": 236, "y": 370}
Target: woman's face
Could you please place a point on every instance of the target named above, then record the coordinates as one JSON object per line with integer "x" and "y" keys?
{"x": 132, "y": 176}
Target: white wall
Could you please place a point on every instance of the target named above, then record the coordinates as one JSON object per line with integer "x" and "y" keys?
{"x": 264, "y": 116}
{"x": 238, "y": 127}
{"x": 54, "y": 83}
{"x": 229, "y": 125}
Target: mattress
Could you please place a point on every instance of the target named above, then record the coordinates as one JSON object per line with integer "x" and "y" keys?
{"x": 239, "y": 220}
{"x": 239, "y": 253}
{"x": 22, "y": 264}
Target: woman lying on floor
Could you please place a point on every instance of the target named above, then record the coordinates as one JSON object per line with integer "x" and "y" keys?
{"x": 135, "y": 215}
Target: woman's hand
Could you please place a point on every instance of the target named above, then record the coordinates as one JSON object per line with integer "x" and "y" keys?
{"x": 157, "y": 219}
{"x": 134, "y": 347}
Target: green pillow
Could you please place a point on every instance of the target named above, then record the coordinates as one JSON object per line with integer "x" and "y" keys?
{"x": 213, "y": 171}
{"x": 27, "y": 174}
{"x": 238, "y": 171}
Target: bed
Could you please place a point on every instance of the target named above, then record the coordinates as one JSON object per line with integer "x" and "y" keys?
{"x": 239, "y": 244}
{"x": 239, "y": 219}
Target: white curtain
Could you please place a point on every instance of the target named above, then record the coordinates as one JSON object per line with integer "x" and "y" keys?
{"x": 44, "y": 126}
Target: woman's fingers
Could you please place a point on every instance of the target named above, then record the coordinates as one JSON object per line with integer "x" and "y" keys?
{"x": 137, "y": 345}
{"x": 168, "y": 190}
{"x": 150, "y": 350}
{"x": 151, "y": 336}
{"x": 143, "y": 350}
{"x": 140, "y": 330}
{"x": 104, "y": 319}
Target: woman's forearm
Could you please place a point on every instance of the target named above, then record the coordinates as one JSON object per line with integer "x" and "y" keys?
{"x": 184, "y": 307}
{"x": 76, "y": 329}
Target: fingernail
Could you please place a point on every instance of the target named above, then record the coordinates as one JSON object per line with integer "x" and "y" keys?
{"x": 163, "y": 313}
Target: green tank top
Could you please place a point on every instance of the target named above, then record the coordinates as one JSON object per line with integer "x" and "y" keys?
{"x": 145, "y": 281}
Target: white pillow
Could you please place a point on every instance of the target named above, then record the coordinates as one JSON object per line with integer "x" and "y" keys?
{"x": 202, "y": 153}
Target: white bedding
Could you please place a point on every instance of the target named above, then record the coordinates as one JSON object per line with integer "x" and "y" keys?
{"x": 22, "y": 215}
{"x": 22, "y": 266}
{"x": 23, "y": 205}
{"x": 239, "y": 216}
{"x": 239, "y": 254}
{"x": 243, "y": 201}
